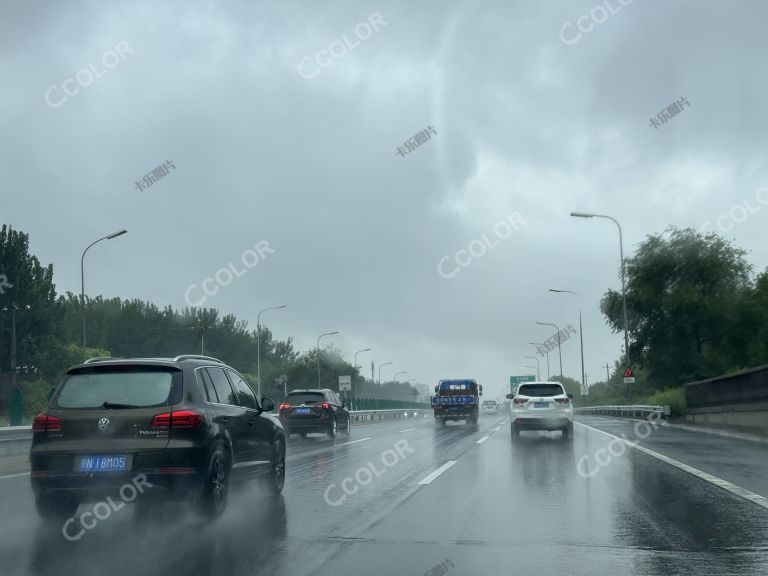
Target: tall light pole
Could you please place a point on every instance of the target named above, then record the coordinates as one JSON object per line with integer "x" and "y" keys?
{"x": 559, "y": 350}
{"x": 529, "y": 366}
{"x": 581, "y": 338}
{"x": 623, "y": 281}
{"x": 82, "y": 276}
{"x": 397, "y": 374}
{"x": 354, "y": 392}
{"x": 541, "y": 344}
{"x": 538, "y": 367}
{"x": 12, "y": 309}
{"x": 258, "y": 343}
{"x": 380, "y": 365}
{"x": 318, "y": 354}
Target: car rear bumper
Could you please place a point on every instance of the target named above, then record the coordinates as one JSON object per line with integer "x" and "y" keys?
{"x": 176, "y": 471}
{"x": 297, "y": 425}
{"x": 535, "y": 422}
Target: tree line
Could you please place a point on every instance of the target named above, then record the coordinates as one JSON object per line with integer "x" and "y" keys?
{"x": 49, "y": 335}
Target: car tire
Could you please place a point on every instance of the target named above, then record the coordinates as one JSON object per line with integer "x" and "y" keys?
{"x": 332, "y": 428}
{"x": 568, "y": 432}
{"x": 443, "y": 422}
{"x": 52, "y": 506}
{"x": 515, "y": 431}
{"x": 212, "y": 498}
{"x": 274, "y": 481}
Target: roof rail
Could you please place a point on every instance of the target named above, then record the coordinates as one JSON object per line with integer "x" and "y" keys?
{"x": 100, "y": 359}
{"x": 196, "y": 357}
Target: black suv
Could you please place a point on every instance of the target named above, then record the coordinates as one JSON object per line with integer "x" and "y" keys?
{"x": 185, "y": 426}
{"x": 305, "y": 411}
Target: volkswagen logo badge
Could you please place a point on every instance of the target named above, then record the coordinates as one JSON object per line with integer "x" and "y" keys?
{"x": 103, "y": 424}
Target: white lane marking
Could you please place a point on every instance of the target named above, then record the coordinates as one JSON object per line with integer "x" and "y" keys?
{"x": 724, "y": 484}
{"x": 483, "y": 439}
{"x": 14, "y": 475}
{"x": 408, "y": 430}
{"x": 428, "y": 479}
{"x": 495, "y": 429}
{"x": 353, "y": 442}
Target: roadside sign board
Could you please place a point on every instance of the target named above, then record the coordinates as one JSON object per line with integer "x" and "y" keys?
{"x": 629, "y": 376}
{"x": 345, "y": 383}
{"x": 584, "y": 390}
{"x": 515, "y": 381}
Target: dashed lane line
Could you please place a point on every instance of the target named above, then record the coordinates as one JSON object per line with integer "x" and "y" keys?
{"x": 353, "y": 442}
{"x": 428, "y": 479}
{"x": 14, "y": 475}
{"x": 483, "y": 439}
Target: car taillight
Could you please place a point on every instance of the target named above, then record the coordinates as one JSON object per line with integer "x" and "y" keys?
{"x": 46, "y": 423}
{"x": 177, "y": 420}
{"x": 325, "y": 406}
{"x": 562, "y": 400}
{"x": 284, "y": 406}
{"x": 518, "y": 401}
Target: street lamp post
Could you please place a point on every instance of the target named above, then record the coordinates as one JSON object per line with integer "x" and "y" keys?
{"x": 581, "y": 339}
{"x": 82, "y": 276}
{"x": 12, "y": 309}
{"x": 354, "y": 391}
{"x": 318, "y": 354}
{"x": 530, "y": 366}
{"x": 541, "y": 344}
{"x": 623, "y": 281}
{"x": 380, "y": 365}
{"x": 559, "y": 350}
{"x": 538, "y": 367}
{"x": 397, "y": 374}
{"x": 258, "y": 344}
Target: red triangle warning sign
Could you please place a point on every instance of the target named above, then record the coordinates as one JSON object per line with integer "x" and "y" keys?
{"x": 628, "y": 373}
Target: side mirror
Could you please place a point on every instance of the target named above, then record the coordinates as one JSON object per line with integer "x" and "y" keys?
{"x": 570, "y": 396}
{"x": 435, "y": 389}
{"x": 509, "y": 396}
{"x": 267, "y": 404}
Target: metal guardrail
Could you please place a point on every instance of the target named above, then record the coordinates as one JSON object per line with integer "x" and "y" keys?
{"x": 636, "y": 411}
{"x": 366, "y": 416}
{"x": 9, "y": 433}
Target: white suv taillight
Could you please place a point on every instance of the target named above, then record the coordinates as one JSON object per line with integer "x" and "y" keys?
{"x": 519, "y": 401}
{"x": 562, "y": 400}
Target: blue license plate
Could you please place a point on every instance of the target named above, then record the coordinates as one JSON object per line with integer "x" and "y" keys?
{"x": 302, "y": 411}
{"x": 541, "y": 404}
{"x": 104, "y": 463}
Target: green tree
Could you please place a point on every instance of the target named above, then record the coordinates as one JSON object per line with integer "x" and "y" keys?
{"x": 683, "y": 295}
{"x": 31, "y": 285}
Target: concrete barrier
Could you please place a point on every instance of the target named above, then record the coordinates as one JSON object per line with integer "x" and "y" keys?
{"x": 739, "y": 399}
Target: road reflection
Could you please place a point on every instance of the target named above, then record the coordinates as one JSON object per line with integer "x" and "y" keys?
{"x": 246, "y": 540}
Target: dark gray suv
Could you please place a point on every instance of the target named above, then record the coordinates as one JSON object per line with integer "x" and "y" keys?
{"x": 187, "y": 427}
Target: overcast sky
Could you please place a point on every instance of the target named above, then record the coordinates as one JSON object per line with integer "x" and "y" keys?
{"x": 275, "y": 140}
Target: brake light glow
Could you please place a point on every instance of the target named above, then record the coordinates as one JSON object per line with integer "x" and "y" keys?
{"x": 181, "y": 419}
{"x": 46, "y": 423}
{"x": 284, "y": 406}
{"x": 325, "y": 405}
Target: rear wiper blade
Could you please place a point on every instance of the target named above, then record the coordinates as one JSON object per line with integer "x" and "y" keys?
{"x": 116, "y": 405}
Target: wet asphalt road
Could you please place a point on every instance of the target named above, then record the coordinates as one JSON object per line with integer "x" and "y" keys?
{"x": 539, "y": 506}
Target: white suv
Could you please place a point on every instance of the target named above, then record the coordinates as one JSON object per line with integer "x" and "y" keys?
{"x": 489, "y": 407}
{"x": 541, "y": 406}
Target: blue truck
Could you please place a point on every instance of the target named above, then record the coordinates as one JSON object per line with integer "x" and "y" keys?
{"x": 457, "y": 400}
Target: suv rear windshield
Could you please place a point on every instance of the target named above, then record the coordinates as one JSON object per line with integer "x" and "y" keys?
{"x": 120, "y": 386}
{"x": 304, "y": 397}
{"x": 540, "y": 390}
